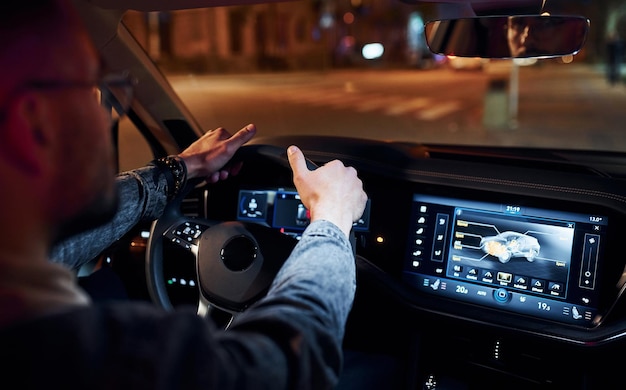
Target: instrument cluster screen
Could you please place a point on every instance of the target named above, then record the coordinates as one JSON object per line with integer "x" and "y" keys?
{"x": 282, "y": 209}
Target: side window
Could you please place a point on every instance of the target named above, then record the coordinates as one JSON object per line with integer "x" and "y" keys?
{"x": 116, "y": 95}
{"x": 133, "y": 149}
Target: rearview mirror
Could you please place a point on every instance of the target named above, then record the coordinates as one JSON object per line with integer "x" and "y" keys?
{"x": 528, "y": 36}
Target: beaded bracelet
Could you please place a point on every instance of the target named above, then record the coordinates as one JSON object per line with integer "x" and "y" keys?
{"x": 175, "y": 171}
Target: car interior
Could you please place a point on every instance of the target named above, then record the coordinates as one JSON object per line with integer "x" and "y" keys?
{"x": 478, "y": 266}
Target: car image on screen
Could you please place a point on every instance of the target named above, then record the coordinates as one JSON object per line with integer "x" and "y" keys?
{"x": 509, "y": 244}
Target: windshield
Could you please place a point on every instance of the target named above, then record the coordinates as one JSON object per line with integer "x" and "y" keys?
{"x": 362, "y": 69}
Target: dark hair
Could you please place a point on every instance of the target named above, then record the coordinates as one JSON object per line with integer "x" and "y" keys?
{"x": 29, "y": 31}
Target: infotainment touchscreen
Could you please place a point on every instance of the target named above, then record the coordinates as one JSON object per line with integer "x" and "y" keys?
{"x": 532, "y": 261}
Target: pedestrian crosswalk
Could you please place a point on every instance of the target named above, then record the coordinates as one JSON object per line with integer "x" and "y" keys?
{"x": 439, "y": 111}
{"x": 420, "y": 108}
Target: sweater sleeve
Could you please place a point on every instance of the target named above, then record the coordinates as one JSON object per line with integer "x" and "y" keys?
{"x": 142, "y": 197}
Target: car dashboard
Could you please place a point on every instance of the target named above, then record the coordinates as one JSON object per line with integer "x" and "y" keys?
{"x": 490, "y": 261}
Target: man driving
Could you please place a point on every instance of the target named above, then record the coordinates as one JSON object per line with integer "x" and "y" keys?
{"x": 58, "y": 178}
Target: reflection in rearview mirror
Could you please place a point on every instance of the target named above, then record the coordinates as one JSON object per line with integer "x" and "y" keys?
{"x": 529, "y": 36}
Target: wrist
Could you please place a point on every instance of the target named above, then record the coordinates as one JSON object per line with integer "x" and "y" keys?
{"x": 175, "y": 171}
{"x": 340, "y": 220}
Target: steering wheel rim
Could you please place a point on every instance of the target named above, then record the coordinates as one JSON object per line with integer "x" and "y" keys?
{"x": 235, "y": 262}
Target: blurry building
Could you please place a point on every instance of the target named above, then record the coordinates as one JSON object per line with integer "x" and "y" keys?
{"x": 232, "y": 39}
{"x": 305, "y": 34}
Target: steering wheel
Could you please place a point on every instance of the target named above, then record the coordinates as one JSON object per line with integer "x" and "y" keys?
{"x": 235, "y": 261}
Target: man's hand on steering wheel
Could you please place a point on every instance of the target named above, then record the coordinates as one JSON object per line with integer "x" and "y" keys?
{"x": 332, "y": 192}
{"x": 208, "y": 157}
{"x": 236, "y": 262}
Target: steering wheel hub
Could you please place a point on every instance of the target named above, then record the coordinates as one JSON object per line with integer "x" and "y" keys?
{"x": 239, "y": 253}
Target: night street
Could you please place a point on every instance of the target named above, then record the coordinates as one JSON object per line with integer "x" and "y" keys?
{"x": 416, "y": 105}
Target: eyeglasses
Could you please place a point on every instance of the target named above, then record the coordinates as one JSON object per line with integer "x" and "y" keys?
{"x": 114, "y": 91}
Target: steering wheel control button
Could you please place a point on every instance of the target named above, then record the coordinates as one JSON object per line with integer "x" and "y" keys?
{"x": 186, "y": 234}
{"x": 239, "y": 253}
{"x": 501, "y": 295}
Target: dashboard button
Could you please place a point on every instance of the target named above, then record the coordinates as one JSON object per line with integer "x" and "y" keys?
{"x": 501, "y": 295}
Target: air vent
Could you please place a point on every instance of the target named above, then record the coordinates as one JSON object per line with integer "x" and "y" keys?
{"x": 521, "y": 159}
{"x": 193, "y": 205}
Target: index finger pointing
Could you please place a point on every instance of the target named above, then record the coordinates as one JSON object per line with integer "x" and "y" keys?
{"x": 244, "y": 135}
